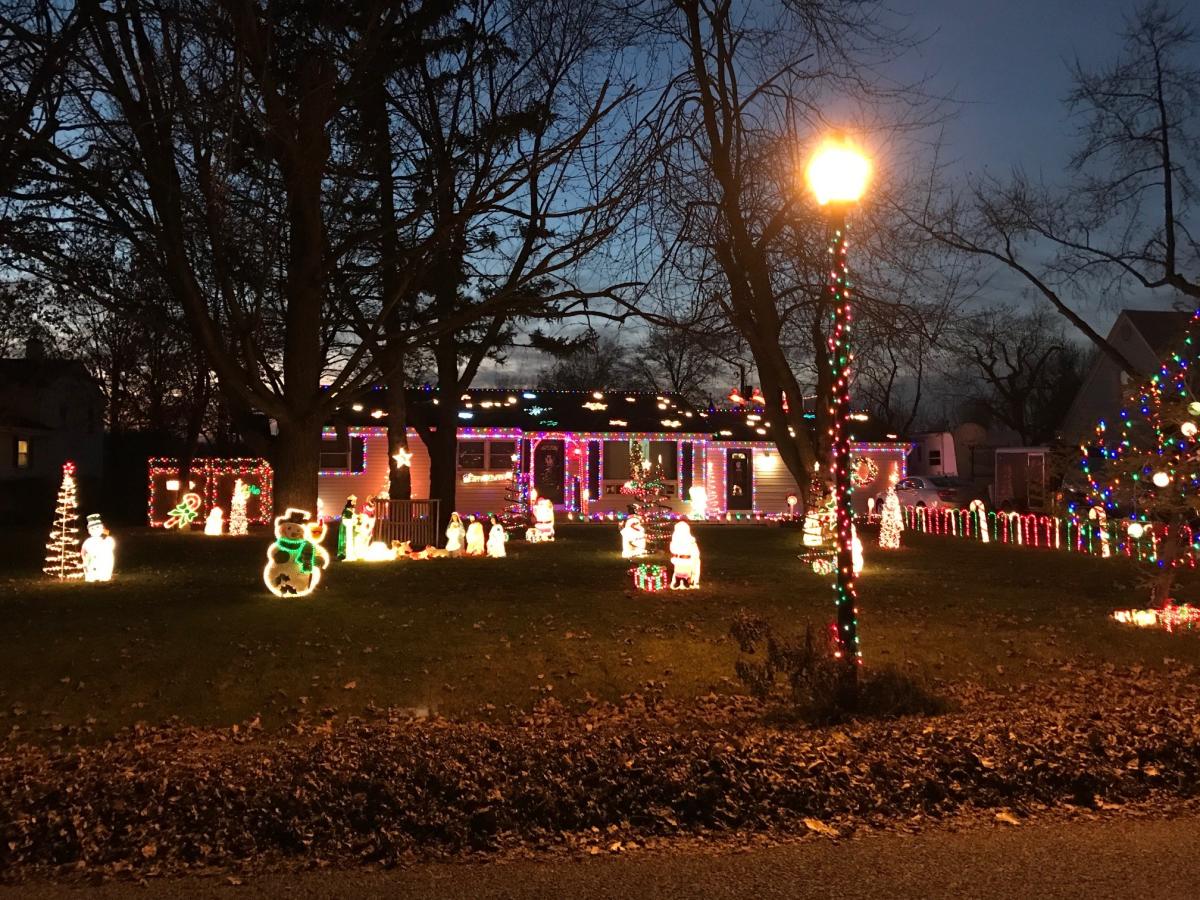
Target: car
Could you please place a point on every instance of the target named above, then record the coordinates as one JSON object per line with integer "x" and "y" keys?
{"x": 931, "y": 491}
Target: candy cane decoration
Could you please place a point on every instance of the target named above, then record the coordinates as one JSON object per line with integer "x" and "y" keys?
{"x": 1100, "y": 517}
{"x": 977, "y": 509}
{"x": 185, "y": 513}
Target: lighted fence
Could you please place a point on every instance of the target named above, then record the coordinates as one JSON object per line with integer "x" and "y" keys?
{"x": 414, "y": 521}
{"x": 1093, "y": 536}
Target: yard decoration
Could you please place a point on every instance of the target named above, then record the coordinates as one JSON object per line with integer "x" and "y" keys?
{"x": 1170, "y": 617}
{"x": 543, "y": 522}
{"x": 685, "y": 558}
{"x": 892, "y": 522}
{"x": 295, "y": 560}
{"x": 633, "y": 538}
{"x": 215, "y": 523}
{"x": 98, "y": 552}
{"x": 496, "y": 539}
{"x": 364, "y": 527}
{"x": 979, "y": 512}
{"x": 648, "y": 489}
{"x": 1145, "y": 467}
{"x": 185, "y": 512}
{"x": 63, "y": 558}
{"x": 476, "y": 540}
{"x": 456, "y": 535}
{"x": 649, "y": 577}
{"x": 347, "y": 543}
{"x": 238, "y": 523}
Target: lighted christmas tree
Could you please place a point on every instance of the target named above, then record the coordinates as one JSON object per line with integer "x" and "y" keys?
{"x": 1144, "y": 470}
{"x": 892, "y": 521}
{"x": 516, "y": 496}
{"x": 63, "y": 558}
{"x": 237, "y": 508}
{"x": 648, "y": 487}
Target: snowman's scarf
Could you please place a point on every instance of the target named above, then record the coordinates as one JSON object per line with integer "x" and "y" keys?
{"x": 296, "y": 549}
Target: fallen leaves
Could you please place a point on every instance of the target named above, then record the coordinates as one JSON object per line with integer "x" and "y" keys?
{"x": 600, "y": 778}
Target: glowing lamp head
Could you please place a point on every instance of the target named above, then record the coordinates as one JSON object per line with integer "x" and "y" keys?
{"x": 1189, "y": 429}
{"x": 838, "y": 172}
{"x": 1136, "y": 530}
{"x": 1161, "y": 479}
{"x": 1194, "y": 407}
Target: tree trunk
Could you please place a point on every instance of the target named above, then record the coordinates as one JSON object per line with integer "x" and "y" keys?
{"x": 399, "y": 477}
{"x": 297, "y": 455}
{"x": 443, "y": 461}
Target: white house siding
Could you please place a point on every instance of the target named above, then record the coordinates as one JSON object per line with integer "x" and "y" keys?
{"x": 333, "y": 487}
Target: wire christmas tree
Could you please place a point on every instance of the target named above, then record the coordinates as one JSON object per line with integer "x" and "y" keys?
{"x": 516, "y": 496}
{"x": 1143, "y": 470}
{"x": 237, "y": 509}
{"x": 648, "y": 487}
{"x": 892, "y": 521}
{"x": 63, "y": 559}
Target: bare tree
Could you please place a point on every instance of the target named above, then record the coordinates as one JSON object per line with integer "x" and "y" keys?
{"x": 1125, "y": 217}
{"x": 1018, "y": 366}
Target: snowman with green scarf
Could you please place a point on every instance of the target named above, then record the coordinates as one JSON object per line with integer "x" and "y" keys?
{"x": 295, "y": 560}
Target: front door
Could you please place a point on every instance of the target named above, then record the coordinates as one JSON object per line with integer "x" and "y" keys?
{"x": 549, "y": 470}
{"x": 739, "y": 483}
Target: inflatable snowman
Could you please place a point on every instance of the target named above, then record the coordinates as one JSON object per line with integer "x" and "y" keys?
{"x": 295, "y": 560}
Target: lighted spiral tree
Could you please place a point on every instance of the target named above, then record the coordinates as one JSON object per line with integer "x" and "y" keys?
{"x": 1144, "y": 468}
{"x": 838, "y": 174}
{"x": 648, "y": 487}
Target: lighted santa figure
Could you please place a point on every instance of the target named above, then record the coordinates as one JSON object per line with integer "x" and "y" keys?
{"x": 497, "y": 538}
{"x": 633, "y": 538}
{"x": 215, "y": 523}
{"x": 543, "y": 521}
{"x": 456, "y": 535}
{"x": 476, "y": 540}
{"x": 685, "y": 558}
{"x": 98, "y": 551}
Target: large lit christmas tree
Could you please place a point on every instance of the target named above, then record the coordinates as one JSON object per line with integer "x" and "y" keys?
{"x": 515, "y": 517}
{"x": 63, "y": 559}
{"x": 238, "y": 523}
{"x": 891, "y": 522}
{"x": 648, "y": 487}
{"x": 1143, "y": 469}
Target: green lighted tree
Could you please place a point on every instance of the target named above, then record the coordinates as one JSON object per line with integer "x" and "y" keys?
{"x": 1143, "y": 469}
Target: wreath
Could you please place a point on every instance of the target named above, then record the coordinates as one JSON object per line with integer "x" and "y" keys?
{"x": 864, "y": 471}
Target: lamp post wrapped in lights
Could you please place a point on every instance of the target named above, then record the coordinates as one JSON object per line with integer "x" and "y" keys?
{"x": 838, "y": 174}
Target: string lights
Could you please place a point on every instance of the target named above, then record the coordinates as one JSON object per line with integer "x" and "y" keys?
{"x": 64, "y": 560}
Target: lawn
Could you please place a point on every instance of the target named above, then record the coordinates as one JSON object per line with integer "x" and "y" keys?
{"x": 187, "y": 630}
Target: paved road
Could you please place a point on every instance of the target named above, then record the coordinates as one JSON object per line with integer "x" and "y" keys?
{"x": 1096, "y": 861}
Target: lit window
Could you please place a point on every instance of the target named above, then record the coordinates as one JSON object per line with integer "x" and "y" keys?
{"x": 21, "y": 453}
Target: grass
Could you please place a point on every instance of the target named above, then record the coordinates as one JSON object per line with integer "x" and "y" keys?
{"x": 187, "y": 630}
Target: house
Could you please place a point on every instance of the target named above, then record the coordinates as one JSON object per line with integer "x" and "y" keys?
{"x": 573, "y": 447}
{"x": 51, "y": 410}
{"x": 1144, "y": 337}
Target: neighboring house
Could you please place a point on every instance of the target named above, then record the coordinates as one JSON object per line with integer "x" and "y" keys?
{"x": 574, "y": 447}
{"x": 1144, "y": 337}
{"x": 51, "y": 410}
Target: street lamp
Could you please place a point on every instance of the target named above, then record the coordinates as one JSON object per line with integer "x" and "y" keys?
{"x": 838, "y": 173}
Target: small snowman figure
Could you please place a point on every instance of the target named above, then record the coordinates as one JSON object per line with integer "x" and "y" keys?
{"x": 295, "y": 560}
{"x": 215, "y": 523}
{"x": 456, "y": 535}
{"x": 685, "y": 558}
{"x": 497, "y": 537}
{"x": 633, "y": 538}
{"x": 475, "y": 539}
{"x": 98, "y": 551}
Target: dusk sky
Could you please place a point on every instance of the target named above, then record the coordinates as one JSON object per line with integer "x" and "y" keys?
{"x": 1007, "y": 62}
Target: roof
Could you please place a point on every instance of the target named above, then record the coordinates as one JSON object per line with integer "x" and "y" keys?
{"x": 21, "y": 423}
{"x": 39, "y": 372}
{"x": 1162, "y": 329}
{"x": 600, "y": 411}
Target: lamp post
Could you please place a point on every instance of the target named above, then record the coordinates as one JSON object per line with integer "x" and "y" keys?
{"x": 838, "y": 174}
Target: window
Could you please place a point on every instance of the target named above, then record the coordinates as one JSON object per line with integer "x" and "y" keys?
{"x": 470, "y": 454}
{"x": 935, "y": 457}
{"x": 666, "y": 455}
{"x": 343, "y": 454}
{"x": 21, "y": 457}
{"x": 616, "y": 460}
{"x": 500, "y": 454}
